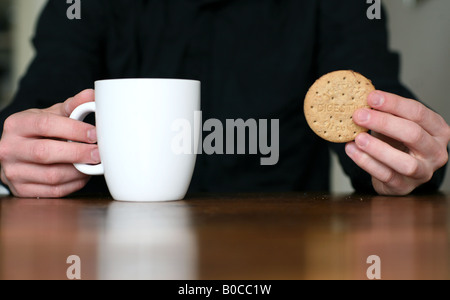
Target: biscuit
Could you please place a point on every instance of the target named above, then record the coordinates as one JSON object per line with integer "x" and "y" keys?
{"x": 331, "y": 101}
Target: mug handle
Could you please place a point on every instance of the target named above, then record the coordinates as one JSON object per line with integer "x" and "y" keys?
{"x": 80, "y": 114}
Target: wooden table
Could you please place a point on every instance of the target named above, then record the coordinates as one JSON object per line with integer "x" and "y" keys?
{"x": 243, "y": 236}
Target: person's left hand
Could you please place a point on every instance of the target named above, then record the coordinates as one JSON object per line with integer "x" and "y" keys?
{"x": 408, "y": 143}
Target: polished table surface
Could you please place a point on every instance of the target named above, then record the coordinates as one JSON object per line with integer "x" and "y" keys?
{"x": 228, "y": 236}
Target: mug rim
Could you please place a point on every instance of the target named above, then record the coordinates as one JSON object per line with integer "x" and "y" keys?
{"x": 147, "y": 79}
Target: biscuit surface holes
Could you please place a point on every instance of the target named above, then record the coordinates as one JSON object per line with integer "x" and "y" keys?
{"x": 331, "y": 101}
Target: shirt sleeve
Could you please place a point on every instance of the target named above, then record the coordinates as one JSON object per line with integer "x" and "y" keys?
{"x": 68, "y": 57}
{"x": 349, "y": 40}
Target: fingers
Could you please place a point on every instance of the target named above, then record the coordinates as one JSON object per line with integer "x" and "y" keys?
{"x": 24, "y": 173}
{"x": 369, "y": 164}
{"x": 43, "y": 181}
{"x": 44, "y": 151}
{"x": 400, "y": 129}
{"x": 408, "y": 143}
{"x": 46, "y": 191}
{"x": 389, "y": 181}
{"x": 393, "y": 172}
{"x": 409, "y": 109}
{"x": 397, "y": 160}
{"x": 55, "y": 152}
{"x": 38, "y": 123}
{"x": 37, "y": 160}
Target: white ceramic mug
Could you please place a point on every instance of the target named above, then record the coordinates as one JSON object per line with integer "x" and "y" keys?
{"x": 134, "y": 119}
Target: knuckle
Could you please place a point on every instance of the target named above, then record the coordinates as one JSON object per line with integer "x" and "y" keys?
{"x": 81, "y": 184}
{"x": 79, "y": 154}
{"x": 21, "y": 191}
{"x": 43, "y": 123}
{"x": 39, "y": 152}
{"x": 364, "y": 160}
{"x": 9, "y": 124}
{"x": 388, "y": 177}
{"x": 420, "y": 113}
{"x": 381, "y": 119}
{"x": 52, "y": 177}
{"x": 428, "y": 176}
{"x": 78, "y": 131}
{"x": 447, "y": 134}
{"x": 382, "y": 122}
{"x": 4, "y": 151}
{"x": 416, "y": 135}
{"x": 56, "y": 192}
{"x": 412, "y": 168}
{"x": 4, "y": 176}
{"x": 442, "y": 158}
{"x": 400, "y": 187}
{"x": 10, "y": 174}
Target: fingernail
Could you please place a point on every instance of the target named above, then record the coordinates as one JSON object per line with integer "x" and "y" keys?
{"x": 95, "y": 155}
{"x": 376, "y": 99}
{"x": 362, "y": 140}
{"x": 92, "y": 135}
{"x": 363, "y": 115}
{"x": 350, "y": 149}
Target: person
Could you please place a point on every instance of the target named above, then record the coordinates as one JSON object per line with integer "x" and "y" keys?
{"x": 255, "y": 59}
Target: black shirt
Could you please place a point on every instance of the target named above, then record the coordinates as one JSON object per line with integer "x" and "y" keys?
{"x": 255, "y": 58}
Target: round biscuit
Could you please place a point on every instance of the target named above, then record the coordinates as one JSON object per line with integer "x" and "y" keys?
{"x": 331, "y": 101}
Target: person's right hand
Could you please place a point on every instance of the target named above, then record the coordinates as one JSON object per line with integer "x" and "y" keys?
{"x": 36, "y": 158}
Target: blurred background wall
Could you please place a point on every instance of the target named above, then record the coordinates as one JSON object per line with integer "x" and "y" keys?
{"x": 19, "y": 19}
{"x": 419, "y": 32}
